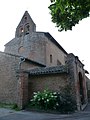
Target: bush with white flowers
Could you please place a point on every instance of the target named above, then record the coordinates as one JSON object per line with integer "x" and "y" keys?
{"x": 49, "y": 100}
{"x": 45, "y": 100}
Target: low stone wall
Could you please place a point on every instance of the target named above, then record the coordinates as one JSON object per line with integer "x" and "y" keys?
{"x": 10, "y": 87}
{"x": 53, "y": 82}
{"x": 8, "y": 78}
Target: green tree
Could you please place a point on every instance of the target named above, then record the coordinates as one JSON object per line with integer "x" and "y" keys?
{"x": 68, "y": 13}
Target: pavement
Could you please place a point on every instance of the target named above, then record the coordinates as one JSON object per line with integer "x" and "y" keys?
{"x": 7, "y": 114}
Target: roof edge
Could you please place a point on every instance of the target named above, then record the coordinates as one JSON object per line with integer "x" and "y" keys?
{"x": 29, "y": 60}
{"x": 48, "y": 35}
{"x": 49, "y": 70}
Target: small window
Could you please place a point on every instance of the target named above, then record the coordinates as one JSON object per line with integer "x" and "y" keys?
{"x": 28, "y": 27}
{"x": 25, "y": 19}
{"x": 22, "y": 30}
{"x": 50, "y": 58}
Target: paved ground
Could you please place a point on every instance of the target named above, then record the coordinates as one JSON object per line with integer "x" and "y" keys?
{"x": 6, "y": 114}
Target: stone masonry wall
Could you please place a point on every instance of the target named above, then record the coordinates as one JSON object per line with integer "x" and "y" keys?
{"x": 9, "y": 79}
{"x": 54, "y": 82}
{"x": 57, "y": 54}
{"x": 75, "y": 67}
{"x": 31, "y": 46}
{"x": 36, "y": 46}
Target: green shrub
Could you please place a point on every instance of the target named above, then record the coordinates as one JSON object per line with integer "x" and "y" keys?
{"x": 66, "y": 104}
{"x": 45, "y": 100}
{"x": 49, "y": 100}
{"x": 66, "y": 101}
{"x": 11, "y": 106}
{"x": 15, "y": 107}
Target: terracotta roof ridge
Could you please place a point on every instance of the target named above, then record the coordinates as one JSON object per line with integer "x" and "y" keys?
{"x": 48, "y": 70}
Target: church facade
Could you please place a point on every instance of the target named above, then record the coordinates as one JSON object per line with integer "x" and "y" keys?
{"x": 34, "y": 61}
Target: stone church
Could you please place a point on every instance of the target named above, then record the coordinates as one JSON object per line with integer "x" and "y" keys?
{"x": 34, "y": 61}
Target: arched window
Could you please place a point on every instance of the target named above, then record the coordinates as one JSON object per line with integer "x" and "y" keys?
{"x": 50, "y": 58}
{"x": 27, "y": 29}
{"x": 21, "y": 31}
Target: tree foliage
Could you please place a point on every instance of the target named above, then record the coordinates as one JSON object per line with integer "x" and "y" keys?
{"x": 68, "y": 13}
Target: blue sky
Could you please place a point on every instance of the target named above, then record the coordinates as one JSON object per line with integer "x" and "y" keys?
{"x": 75, "y": 41}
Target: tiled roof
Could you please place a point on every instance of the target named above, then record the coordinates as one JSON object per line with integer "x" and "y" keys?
{"x": 48, "y": 70}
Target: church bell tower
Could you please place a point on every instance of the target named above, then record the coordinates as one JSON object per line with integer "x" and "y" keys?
{"x": 25, "y": 26}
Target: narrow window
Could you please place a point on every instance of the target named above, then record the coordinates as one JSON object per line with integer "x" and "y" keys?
{"x": 22, "y": 30}
{"x": 28, "y": 27}
{"x": 50, "y": 58}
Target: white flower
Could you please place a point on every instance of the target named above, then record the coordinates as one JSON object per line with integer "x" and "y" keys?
{"x": 45, "y": 91}
{"x": 46, "y": 95}
{"x": 38, "y": 99}
{"x": 31, "y": 100}
{"x": 47, "y": 100}
{"x": 35, "y": 96}
{"x": 54, "y": 93}
{"x": 34, "y": 93}
{"x": 38, "y": 92}
{"x": 42, "y": 98}
{"x": 55, "y": 96}
{"x": 57, "y": 104}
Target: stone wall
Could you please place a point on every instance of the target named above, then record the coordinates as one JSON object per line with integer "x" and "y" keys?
{"x": 36, "y": 46}
{"x": 9, "y": 77}
{"x": 77, "y": 80}
{"x": 57, "y": 54}
{"x": 31, "y": 46}
{"x": 54, "y": 82}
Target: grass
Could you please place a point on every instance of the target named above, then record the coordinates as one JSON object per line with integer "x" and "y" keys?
{"x": 9, "y": 106}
